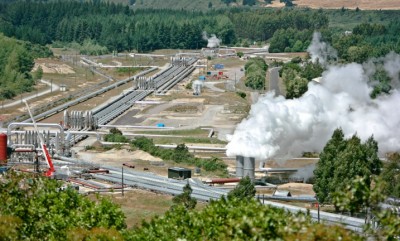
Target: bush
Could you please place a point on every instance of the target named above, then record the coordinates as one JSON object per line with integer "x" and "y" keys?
{"x": 88, "y": 148}
{"x": 115, "y": 138}
{"x": 241, "y": 94}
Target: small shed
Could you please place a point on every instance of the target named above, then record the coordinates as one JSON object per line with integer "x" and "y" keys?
{"x": 63, "y": 88}
{"x": 179, "y": 173}
{"x": 282, "y": 193}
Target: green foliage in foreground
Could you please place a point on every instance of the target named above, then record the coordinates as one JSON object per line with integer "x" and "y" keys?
{"x": 184, "y": 199}
{"x": 33, "y": 208}
{"x": 236, "y": 220}
{"x": 245, "y": 190}
{"x": 180, "y": 154}
{"x": 36, "y": 209}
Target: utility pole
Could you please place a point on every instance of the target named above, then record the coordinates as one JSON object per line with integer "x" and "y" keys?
{"x": 318, "y": 208}
{"x": 122, "y": 180}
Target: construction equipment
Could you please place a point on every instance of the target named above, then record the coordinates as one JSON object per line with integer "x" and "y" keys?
{"x": 51, "y": 170}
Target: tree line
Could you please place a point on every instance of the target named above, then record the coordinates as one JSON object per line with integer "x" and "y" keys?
{"x": 120, "y": 28}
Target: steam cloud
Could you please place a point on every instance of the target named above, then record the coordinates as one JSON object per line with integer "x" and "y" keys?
{"x": 277, "y": 127}
{"x": 196, "y": 86}
{"x": 321, "y": 51}
{"x": 213, "y": 41}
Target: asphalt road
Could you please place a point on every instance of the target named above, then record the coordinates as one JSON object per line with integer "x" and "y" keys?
{"x": 53, "y": 87}
{"x": 274, "y": 80}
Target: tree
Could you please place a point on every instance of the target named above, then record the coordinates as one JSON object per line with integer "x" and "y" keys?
{"x": 245, "y": 190}
{"x": 342, "y": 161}
{"x": 38, "y": 73}
{"x": 255, "y": 71}
{"x": 391, "y": 176}
{"x": 115, "y": 131}
{"x": 185, "y": 199}
{"x": 296, "y": 87}
{"x": 324, "y": 171}
{"x": 288, "y": 3}
{"x": 249, "y": 2}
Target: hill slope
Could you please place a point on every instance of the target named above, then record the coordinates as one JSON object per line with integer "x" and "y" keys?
{"x": 362, "y": 4}
{"x": 204, "y": 4}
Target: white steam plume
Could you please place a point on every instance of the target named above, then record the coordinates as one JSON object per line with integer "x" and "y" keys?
{"x": 277, "y": 127}
{"x": 213, "y": 41}
{"x": 321, "y": 51}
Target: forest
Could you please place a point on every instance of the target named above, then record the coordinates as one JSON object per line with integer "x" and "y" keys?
{"x": 119, "y": 28}
{"x": 16, "y": 62}
{"x": 101, "y": 27}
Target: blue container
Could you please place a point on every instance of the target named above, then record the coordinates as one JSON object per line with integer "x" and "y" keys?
{"x": 202, "y": 77}
{"x": 219, "y": 66}
{"x": 160, "y": 125}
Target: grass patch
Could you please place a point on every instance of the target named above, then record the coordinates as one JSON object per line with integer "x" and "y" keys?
{"x": 183, "y": 109}
{"x": 139, "y": 205}
{"x": 188, "y": 132}
{"x": 169, "y": 140}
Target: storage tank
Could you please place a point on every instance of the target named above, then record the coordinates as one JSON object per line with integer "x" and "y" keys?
{"x": 3, "y": 147}
{"x": 239, "y": 166}
{"x": 249, "y": 167}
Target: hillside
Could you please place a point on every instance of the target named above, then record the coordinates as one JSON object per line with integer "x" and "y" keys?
{"x": 352, "y": 4}
{"x": 216, "y": 4}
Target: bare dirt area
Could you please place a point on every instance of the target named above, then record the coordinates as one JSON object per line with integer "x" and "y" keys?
{"x": 298, "y": 188}
{"x": 53, "y": 66}
{"x": 352, "y": 4}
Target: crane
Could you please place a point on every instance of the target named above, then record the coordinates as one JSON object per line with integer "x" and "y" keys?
{"x": 49, "y": 162}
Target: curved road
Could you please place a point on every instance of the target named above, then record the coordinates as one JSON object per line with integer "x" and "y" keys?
{"x": 53, "y": 87}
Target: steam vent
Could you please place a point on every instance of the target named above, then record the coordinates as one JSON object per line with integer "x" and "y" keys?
{"x": 245, "y": 166}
